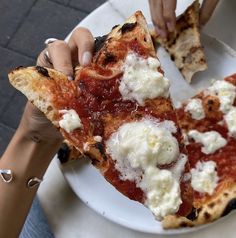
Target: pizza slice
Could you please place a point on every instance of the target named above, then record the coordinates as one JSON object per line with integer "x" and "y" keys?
{"x": 118, "y": 112}
{"x": 209, "y": 123}
{"x": 184, "y": 45}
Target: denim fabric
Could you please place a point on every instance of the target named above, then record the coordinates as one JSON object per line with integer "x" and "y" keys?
{"x": 36, "y": 224}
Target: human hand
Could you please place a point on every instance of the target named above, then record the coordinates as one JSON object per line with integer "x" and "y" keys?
{"x": 164, "y": 18}
{"x": 206, "y": 11}
{"x": 63, "y": 57}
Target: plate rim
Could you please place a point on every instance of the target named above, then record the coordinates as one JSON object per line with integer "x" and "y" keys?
{"x": 70, "y": 165}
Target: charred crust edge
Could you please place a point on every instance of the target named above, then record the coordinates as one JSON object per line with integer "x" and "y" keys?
{"x": 184, "y": 224}
{"x": 17, "y": 68}
{"x": 193, "y": 214}
{"x": 109, "y": 58}
{"x": 63, "y": 153}
{"x": 230, "y": 207}
{"x": 114, "y": 27}
{"x": 100, "y": 147}
{"x": 99, "y": 42}
{"x": 42, "y": 71}
{"x": 207, "y": 216}
{"x": 128, "y": 27}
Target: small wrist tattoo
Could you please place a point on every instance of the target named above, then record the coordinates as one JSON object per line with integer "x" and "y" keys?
{"x": 36, "y": 139}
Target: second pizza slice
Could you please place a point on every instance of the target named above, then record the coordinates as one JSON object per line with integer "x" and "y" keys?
{"x": 208, "y": 122}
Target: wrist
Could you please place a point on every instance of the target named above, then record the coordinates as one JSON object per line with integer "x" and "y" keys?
{"x": 39, "y": 132}
{"x": 30, "y": 133}
{"x": 28, "y": 154}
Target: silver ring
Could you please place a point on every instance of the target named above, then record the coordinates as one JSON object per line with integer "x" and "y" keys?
{"x": 46, "y": 57}
{"x": 46, "y": 54}
{"x": 49, "y": 41}
{"x": 6, "y": 175}
{"x": 33, "y": 182}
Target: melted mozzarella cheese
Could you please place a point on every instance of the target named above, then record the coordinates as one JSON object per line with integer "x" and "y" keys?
{"x": 204, "y": 177}
{"x": 162, "y": 191}
{"x": 211, "y": 140}
{"x": 141, "y": 80}
{"x": 230, "y": 119}
{"x": 137, "y": 147}
{"x": 70, "y": 120}
{"x": 144, "y": 143}
{"x": 226, "y": 93}
{"x": 195, "y": 108}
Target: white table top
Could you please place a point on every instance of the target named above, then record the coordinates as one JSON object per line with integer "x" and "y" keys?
{"x": 67, "y": 214}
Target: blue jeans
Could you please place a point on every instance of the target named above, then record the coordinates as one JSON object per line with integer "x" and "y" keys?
{"x": 36, "y": 225}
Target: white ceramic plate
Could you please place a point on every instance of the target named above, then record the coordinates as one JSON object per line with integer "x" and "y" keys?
{"x": 92, "y": 188}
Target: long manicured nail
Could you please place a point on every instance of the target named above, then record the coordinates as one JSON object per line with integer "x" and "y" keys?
{"x": 86, "y": 58}
{"x": 70, "y": 78}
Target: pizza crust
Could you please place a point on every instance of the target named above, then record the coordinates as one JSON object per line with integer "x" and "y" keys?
{"x": 35, "y": 83}
{"x": 134, "y": 28}
{"x": 183, "y": 45}
{"x": 220, "y": 204}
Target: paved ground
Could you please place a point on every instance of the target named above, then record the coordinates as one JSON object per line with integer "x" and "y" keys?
{"x": 24, "y": 25}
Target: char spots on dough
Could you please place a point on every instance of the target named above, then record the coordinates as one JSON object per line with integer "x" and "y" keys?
{"x": 63, "y": 153}
{"x": 42, "y": 71}
{"x": 128, "y": 27}
{"x": 207, "y": 215}
{"x": 230, "y": 206}
{"x": 99, "y": 42}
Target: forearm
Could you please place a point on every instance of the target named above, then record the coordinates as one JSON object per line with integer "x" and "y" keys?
{"x": 26, "y": 157}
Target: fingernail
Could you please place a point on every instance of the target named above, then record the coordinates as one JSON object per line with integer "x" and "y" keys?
{"x": 70, "y": 78}
{"x": 86, "y": 58}
{"x": 161, "y": 32}
{"x": 170, "y": 26}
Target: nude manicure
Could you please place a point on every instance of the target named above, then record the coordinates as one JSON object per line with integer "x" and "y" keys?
{"x": 70, "y": 78}
{"x": 86, "y": 58}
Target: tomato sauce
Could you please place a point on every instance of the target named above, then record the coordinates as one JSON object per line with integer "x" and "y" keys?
{"x": 98, "y": 97}
{"x": 128, "y": 188}
{"x": 187, "y": 199}
{"x": 225, "y": 157}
